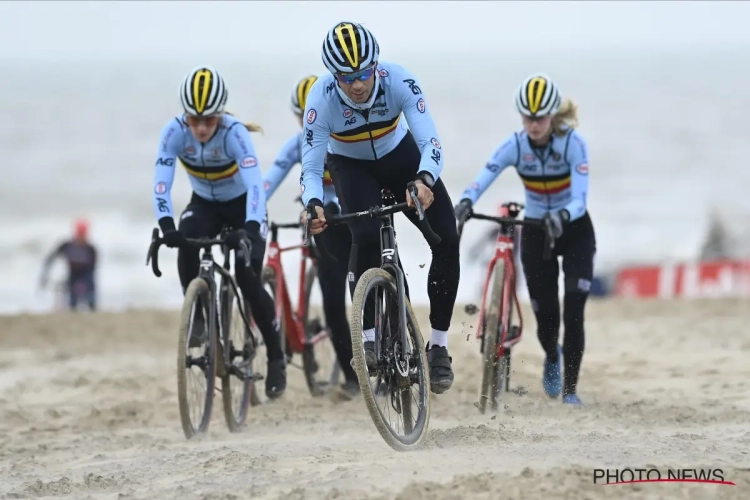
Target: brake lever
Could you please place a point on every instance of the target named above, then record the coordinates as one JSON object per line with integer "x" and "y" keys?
{"x": 153, "y": 252}
{"x": 245, "y": 246}
{"x": 413, "y": 192}
{"x": 311, "y": 215}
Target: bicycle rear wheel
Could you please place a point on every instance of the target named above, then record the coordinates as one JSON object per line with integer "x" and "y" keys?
{"x": 494, "y": 370}
{"x": 196, "y": 365}
{"x": 237, "y": 376}
{"x": 413, "y": 409}
{"x": 319, "y": 360}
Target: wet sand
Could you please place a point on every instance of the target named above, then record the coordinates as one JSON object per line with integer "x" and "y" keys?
{"x": 88, "y": 410}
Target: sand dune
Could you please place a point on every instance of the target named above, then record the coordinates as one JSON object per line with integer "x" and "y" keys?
{"x": 88, "y": 410}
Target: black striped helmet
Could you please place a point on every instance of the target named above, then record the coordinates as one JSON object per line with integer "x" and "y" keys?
{"x": 349, "y": 47}
{"x": 299, "y": 93}
{"x": 203, "y": 92}
{"x": 538, "y": 96}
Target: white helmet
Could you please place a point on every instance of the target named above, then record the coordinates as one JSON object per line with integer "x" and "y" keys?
{"x": 203, "y": 92}
{"x": 349, "y": 47}
{"x": 299, "y": 94}
{"x": 538, "y": 96}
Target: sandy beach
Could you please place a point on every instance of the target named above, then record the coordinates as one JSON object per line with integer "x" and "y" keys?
{"x": 88, "y": 410}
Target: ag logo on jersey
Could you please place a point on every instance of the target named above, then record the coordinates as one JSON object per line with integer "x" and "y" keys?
{"x": 348, "y": 112}
{"x": 420, "y": 105}
{"x": 248, "y": 162}
{"x": 435, "y": 143}
{"x": 311, "y": 116}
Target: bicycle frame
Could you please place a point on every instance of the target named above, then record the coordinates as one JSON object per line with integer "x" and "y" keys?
{"x": 208, "y": 267}
{"x": 389, "y": 262}
{"x": 388, "y": 252}
{"x": 504, "y": 250}
{"x": 295, "y": 329}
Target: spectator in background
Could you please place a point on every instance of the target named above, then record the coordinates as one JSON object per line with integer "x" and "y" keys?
{"x": 718, "y": 243}
{"x": 81, "y": 257}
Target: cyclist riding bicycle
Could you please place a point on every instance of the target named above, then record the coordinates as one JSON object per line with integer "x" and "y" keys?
{"x": 218, "y": 155}
{"x": 552, "y": 160}
{"x": 355, "y": 114}
{"x": 338, "y": 241}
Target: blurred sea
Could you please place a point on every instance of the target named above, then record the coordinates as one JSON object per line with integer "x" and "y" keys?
{"x": 666, "y": 134}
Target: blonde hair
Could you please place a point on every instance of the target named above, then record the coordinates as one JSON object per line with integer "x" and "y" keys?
{"x": 250, "y": 126}
{"x": 253, "y": 127}
{"x": 565, "y": 118}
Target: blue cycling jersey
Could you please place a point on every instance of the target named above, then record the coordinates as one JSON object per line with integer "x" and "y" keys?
{"x": 222, "y": 169}
{"x": 331, "y": 125}
{"x": 290, "y": 155}
{"x": 556, "y": 177}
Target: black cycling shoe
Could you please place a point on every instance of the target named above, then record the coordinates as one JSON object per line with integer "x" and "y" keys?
{"x": 197, "y": 332}
{"x": 276, "y": 378}
{"x": 371, "y": 359}
{"x": 349, "y": 389}
{"x": 441, "y": 372}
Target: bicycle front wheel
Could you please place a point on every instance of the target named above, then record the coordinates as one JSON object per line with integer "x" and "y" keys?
{"x": 494, "y": 370}
{"x": 237, "y": 376}
{"x": 383, "y": 387}
{"x": 196, "y": 359}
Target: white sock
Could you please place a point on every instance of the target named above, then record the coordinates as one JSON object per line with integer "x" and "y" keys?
{"x": 439, "y": 338}
{"x": 368, "y": 335}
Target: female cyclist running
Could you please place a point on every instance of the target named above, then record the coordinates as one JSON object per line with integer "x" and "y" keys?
{"x": 218, "y": 155}
{"x": 338, "y": 240}
{"x": 552, "y": 160}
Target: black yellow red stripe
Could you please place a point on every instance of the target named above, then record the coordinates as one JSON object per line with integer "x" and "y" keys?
{"x": 211, "y": 173}
{"x": 546, "y": 185}
{"x": 372, "y": 131}
{"x": 327, "y": 181}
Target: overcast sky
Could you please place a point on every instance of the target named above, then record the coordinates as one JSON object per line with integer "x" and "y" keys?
{"x": 44, "y": 30}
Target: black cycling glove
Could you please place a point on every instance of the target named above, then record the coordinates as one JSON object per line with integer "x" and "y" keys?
{"x": 463, "y": 209}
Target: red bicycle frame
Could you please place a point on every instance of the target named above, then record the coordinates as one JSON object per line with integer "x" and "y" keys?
{"x": 293, "y": 324}
{"x": 504, "y": 250}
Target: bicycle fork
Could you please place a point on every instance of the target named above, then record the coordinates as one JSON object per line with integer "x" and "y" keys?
{"x": 389, "y": 261}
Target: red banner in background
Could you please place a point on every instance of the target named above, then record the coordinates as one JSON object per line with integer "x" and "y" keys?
{"x": 688, "y": 280}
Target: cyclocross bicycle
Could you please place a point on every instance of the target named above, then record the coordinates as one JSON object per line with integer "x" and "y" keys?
{"x": 498, "y": 332}
{"x": 399, "y": 347}
{"x": 213, "y": 350}
{"x": 305, "y": 335}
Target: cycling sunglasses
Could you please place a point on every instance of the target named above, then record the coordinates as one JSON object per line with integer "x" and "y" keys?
{"x": 350, "y": 78}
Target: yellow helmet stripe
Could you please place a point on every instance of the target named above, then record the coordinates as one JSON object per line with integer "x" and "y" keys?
{"x": 352, "y": 58}
{"x": 534, "y": 92}
{"x": 200, "y": 98}
{"x": 303, "y": 88}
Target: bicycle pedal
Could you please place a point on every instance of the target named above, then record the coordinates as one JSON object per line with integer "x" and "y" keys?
{"x": 239, "y": 373}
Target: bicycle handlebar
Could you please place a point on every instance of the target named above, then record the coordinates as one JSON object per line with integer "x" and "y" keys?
{"x": 549, "y": 242}
{"x": 156, "y": 242}
{"x": 376, "y": 212}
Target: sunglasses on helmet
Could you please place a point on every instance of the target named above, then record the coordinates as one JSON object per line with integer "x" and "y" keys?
{"x": 350, "y": 78}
